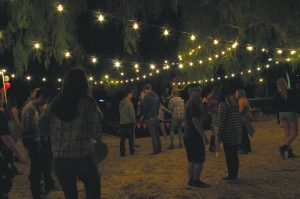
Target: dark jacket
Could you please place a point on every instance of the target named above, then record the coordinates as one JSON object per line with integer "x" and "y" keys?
{"x": 151, "y": 106}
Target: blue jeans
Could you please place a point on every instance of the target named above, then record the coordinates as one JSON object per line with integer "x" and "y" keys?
{"x": 176, "y": 125}
{"x": 153, "y": 128}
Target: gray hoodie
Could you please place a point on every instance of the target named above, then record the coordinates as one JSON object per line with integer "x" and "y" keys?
{"x": 127, "y": 114}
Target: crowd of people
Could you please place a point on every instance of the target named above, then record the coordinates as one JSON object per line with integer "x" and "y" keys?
{"x": 60, "y": 135}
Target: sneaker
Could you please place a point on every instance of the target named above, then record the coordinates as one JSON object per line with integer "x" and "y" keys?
{"x": 217, "y": 154}
{"x": 282, "y": 150}
{"x": 199, "y": 185}
{"x": 291, "y": 154}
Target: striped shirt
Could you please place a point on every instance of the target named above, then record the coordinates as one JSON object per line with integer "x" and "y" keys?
{"x": 72, "y": 139}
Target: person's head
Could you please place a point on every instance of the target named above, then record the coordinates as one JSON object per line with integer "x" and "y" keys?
{"x": 75, "y": 83}
{"x": 282, "y": 85}
{"x": 147, "y": 88}
{"x": 194, "y": 92}
{"x": 240, "y": 93}
{"x": 41, "y": 97}
{"x": 127, "y": 94}
{"x": 33, "y": 93}
{"x": 224, "y": 92}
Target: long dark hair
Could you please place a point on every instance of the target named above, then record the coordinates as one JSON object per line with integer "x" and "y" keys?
{"x": 75, "y": 86}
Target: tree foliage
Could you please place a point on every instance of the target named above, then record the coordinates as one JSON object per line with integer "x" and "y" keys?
{"x": 31, "y": 21}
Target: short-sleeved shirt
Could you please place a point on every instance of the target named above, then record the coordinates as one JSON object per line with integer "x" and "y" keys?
{"x": 3, "y": 126}
{"x": 192, "y": 110}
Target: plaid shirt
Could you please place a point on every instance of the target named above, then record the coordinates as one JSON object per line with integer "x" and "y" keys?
{"x": 176, "y": 106}
{"x": 72, "y": 139}
{"x": 230, "y": 124}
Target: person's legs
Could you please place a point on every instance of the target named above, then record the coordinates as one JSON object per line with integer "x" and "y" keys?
{"x": 33, "y": 148}
{"x": 286, "y": 129}
{"x": 179, "y": 131}
{"x": 158, "y": 136}
{"x": 65, "y": 171}
{"x": 152, "y": 132}
{"x": 130, "y": 130}
{"x": 88, "y": 173}
{"x": 245, "y": 146}
{"x": 46, "y": 165}
{"x": 231, "y": 160}
{"x": 217, "y": 144}
{"x": 163, "y": 130}
{"x": 293, "y": 133}
{"x": 122, "y": 139}
{"x": 197, "y": 171}
{"x": 172, "y": 131}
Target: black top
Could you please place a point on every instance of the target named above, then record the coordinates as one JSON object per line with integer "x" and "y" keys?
{"x": 286, "y": 105}
{"x": 192, "y": 110}
{"x": 3, "y": 126}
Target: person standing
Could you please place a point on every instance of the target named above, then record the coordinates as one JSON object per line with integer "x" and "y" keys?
{"x": 72, "y": 120}
{"x": 7, "y": 148}
{"x": 176, "y": 106}
{"x": 213, "y": 105}
{"x": 150, "y": 107}
{"x": 127, "y": 123}
{"x": 34, "y": 145}
{"x": 286, "y": 103}
{"x": 194, "y": 138}
{"x": 247, "y": 118}
{"x": 231, "y": 131}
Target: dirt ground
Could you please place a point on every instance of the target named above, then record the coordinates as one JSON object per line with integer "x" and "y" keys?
{"x": 143, "y": 176}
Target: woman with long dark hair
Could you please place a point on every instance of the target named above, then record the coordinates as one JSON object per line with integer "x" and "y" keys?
{"x": 286, "y": 103}
{"x": 231, "y": 133}
{"x": 72, "y": 120}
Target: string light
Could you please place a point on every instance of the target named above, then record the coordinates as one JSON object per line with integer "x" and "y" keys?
{"x": 117, "y": 64}
{"x": 13, "y": 75}
{"x": 199, "y": 47}
{"x": 28, "y": 78}
{"x": 180, "y": 66}
{"x": 59, "y": 80}
{"x": 200, "y": 62}
{"x": 263, "y": 50}
{"x": 135, "y": 26}
{"x": 191, "y": 63}
{"x": 193, "y": 37}
{"x": 137, "y": 70}
{"x": 293, "y": 52}
{"x": 122, "y": 74}
{"x": 152, "y": 66}
{"x": 268, "y": 66}
{"x": 258, "y": 68}
{"x": 216, "y": 42}
{"x": 91, "y": 78}
{"x": 288, "y": 59}
{"x": 101, "y": 18}
{"x": 106, "y": 76}
{"x": 166, "y": 32}
{"x": 94, "y": 60}
{"x": 234, "y": 45}
{"x": 223, "y": 52}
{"x": 216, "y": 56}
{"x": 250, "y": 48}
{"x": 261, "y": 80}
{"x": 279, "y": 51}
{"x": 60, "y": 8}
{"x": 209, "y": 59}
{"x": 37, "y": 45}
{"x": 67, "y": 54}
{"x": 44, "y": 79}
{"x": 136, "y": 66}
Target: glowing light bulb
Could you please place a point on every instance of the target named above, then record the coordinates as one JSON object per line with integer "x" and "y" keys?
{"x": 67, "y": 54}
{"x": 180, "y": 66}
{"x": 193, "y": 37}
{"x": 234, "y": 45}
{"x": 117, "y": 64}
{"x": 191, "y": 63}
{"x": 216, "y": 42}
{"x": 44, "y": 79}
{"x": 263, "y": 50}
{"x": 200, "y": 62}
{"x": 60, "y": 8}
{"x": 157, "y": 71}
{"x": 249, "y": 71}
{"x": 166, "y": 32}
{"x": 268, "y": 66}
{"x": 152, "y": 66}
{"x": 91, "y": 78}
{"x": 199, "y": 47}
{"x": 209, "y": 59}
{"x": 216, "y": 56}
{"x": 135, "y": 26}
{"x": 258, "y": 68}
{"x": 37, "y": 45}
{"x": 261, "y": 80}
{"x": 250, "y": 48}
{"x": 279, "y": 51}
{"x": 167, "y": 67}
{"x": 13, "y": 75}
{"x": 94, "y": 60}
{"x": 137, "y": 70}
{"x": 122, "y": 74}
{"x": 59, "y": 80}
{"x": 28, "y": 78}
{"x": 293, "y": 52}
{"x": 288, "y": 59}
{"x": 106, "y": 76}
{"x": 101, "y": 18}
{"x": 223, "y": 52}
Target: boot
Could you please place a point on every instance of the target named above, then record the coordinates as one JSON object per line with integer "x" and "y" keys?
{"x": 282, "y": 150}
{"x": 290, "y": 153}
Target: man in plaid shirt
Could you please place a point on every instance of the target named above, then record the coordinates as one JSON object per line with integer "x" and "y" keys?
{"x": 176, "y": 106}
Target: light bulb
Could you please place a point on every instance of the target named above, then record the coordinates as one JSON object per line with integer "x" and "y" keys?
{"x": 60, "y": 8}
